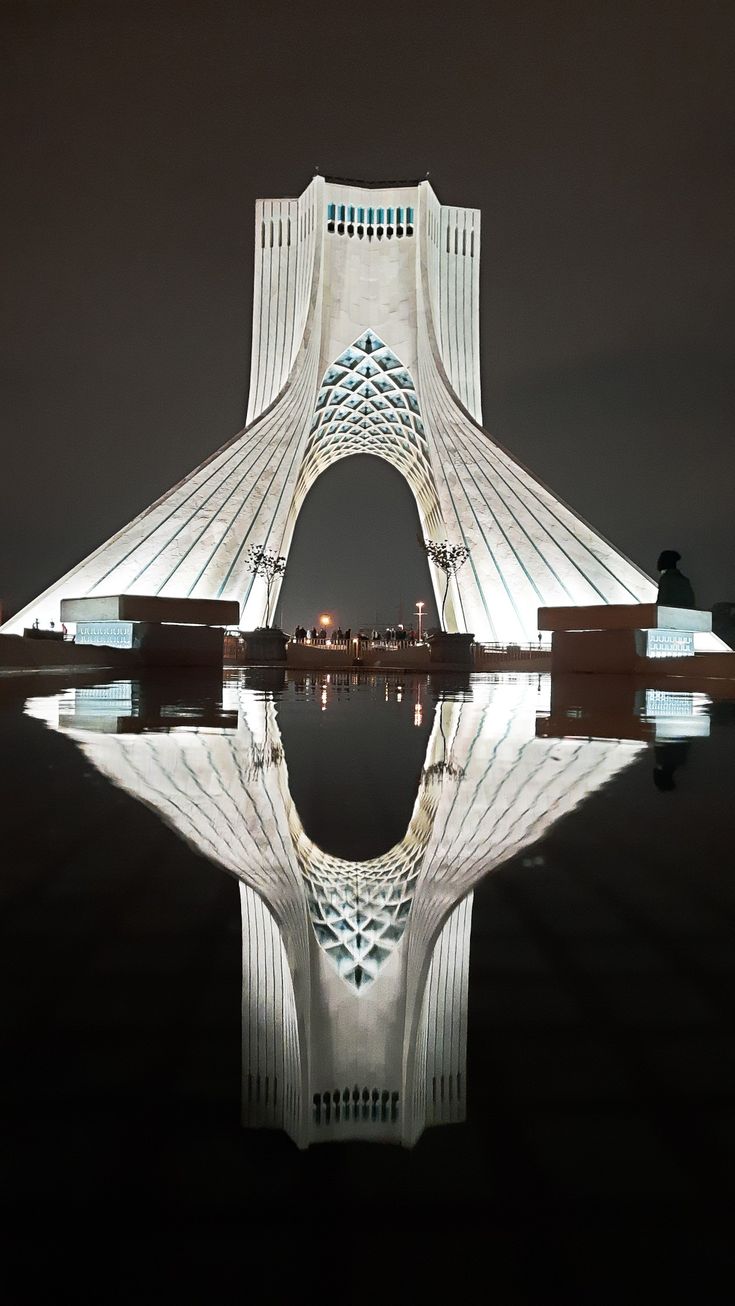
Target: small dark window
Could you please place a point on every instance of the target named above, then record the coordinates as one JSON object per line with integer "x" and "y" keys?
{"x": 361, "y": 231}
{"x": 330, "y": 226}
{"x": 370, "y": 231}
{"x": 389, "y": 231}
{"x": 340, "y": 228}
{"x": 350, "y": 229}
{"x": 399, "y": 230}
{"x": 380, "y": 231}
{"x": 409, "y": 231}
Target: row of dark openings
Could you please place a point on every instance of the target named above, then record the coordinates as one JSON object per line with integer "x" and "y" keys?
{"x": 365, "y": 1105}
{"x": 361, "y": 231}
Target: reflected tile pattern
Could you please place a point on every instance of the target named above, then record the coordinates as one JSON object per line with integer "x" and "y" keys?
{"x": 355, "y": 974}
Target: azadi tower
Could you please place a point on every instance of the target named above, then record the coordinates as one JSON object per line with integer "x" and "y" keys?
{"x": 354, "y": 973}
{"x": 365, "y": 340}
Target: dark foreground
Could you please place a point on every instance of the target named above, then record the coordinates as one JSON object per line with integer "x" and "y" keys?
{"x": 596, "y": 1164}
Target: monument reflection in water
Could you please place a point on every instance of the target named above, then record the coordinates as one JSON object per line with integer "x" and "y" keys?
{"x": 355, "y": 973}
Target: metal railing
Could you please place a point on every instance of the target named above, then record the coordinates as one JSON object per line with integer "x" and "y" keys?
{"x": 488, "y": 652}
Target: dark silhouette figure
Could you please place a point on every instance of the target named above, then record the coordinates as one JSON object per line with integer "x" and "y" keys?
{"x": 674, "y": 589}
{"x": 669, "y": 757}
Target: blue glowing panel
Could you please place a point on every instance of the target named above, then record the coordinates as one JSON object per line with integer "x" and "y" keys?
{"x": 369, "y": 342}
{"x": 387, "y": 359}
{"x": 347, "y": 359}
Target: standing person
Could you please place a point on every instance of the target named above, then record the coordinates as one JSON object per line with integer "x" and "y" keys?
{"x": 313, "y": 634}
{"x": 347, "y": 635}
{"x": 674, "y": 589}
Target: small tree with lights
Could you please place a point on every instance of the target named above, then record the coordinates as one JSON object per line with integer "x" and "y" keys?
{"x": 448, "y": 558}
{"x": 261, "y": 561}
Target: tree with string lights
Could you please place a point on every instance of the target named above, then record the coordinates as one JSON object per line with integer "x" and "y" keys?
{"x": 264, "y": 562}
{"x": 448, "y": 558}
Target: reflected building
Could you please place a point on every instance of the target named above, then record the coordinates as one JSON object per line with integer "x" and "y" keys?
{"x": 355, "y": 974}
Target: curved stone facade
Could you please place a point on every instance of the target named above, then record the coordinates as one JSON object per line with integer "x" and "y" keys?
{"x": 335, "y": 269}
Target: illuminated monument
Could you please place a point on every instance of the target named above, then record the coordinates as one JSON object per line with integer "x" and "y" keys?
{"x": 354, "y": 974}
{"x": 365, "y": 340}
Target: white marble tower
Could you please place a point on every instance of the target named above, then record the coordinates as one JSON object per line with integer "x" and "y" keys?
{"x": 365, "y": 340}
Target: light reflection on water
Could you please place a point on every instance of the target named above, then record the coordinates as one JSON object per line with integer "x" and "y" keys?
{"x": 355, "y": 972}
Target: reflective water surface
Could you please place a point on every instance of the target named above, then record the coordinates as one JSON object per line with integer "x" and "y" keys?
{"x": 352, "y": 909}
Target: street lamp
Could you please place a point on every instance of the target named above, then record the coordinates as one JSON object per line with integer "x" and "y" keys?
{"x": 420, "y": 609}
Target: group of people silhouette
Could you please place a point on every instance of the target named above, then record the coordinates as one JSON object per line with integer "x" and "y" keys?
{"x": 392, "y": 637}
{"x": 323, "y": 635}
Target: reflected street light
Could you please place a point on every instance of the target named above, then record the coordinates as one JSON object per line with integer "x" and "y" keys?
{"x": 420, "y": 609}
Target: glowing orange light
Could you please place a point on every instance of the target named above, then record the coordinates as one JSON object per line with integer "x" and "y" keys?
{"x": 325, "y": 620}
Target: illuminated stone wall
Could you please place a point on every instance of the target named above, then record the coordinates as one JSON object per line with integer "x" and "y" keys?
{"x": 337, "y": 269}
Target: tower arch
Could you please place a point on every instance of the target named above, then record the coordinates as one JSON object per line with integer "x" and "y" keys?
{"x": 367, "y": 403}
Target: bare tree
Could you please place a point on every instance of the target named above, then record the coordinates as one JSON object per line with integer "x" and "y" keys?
{"x": 448, "y": 558}
{"x": 264, "y": 562}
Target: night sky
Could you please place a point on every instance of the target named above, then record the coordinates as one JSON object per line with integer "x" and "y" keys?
{"x": 598, "y": 140}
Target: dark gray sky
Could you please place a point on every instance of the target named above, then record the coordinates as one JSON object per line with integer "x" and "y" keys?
{"x": 597, "y": 138}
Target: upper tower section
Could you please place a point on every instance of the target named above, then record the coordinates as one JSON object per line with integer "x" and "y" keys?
{"x": 347, "y": 256}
